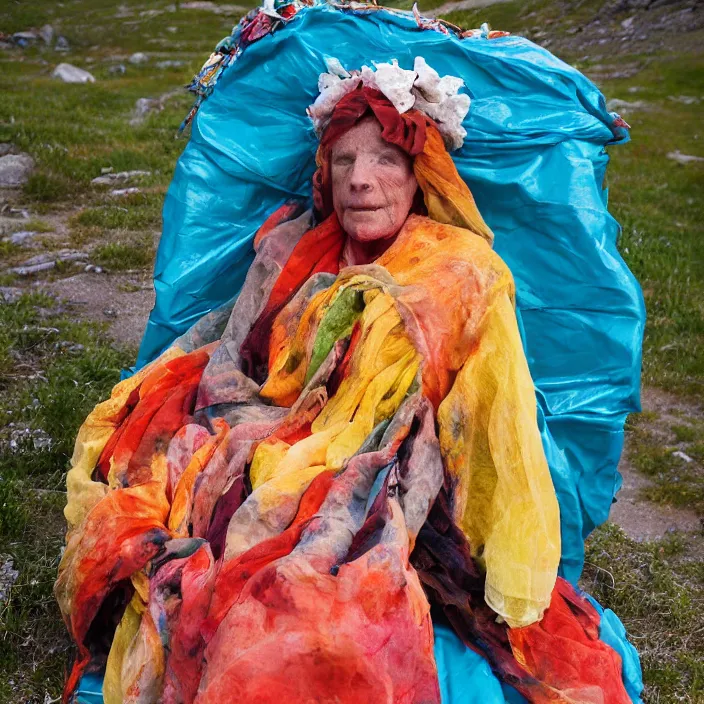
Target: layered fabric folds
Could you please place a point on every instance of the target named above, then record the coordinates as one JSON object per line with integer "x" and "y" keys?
{"x": 535, "y": 160}
{"x": 280, "y": 528}
{"x": 336, "y": 482}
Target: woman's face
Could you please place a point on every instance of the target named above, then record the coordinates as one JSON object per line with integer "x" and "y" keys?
{"x": 373, "y": 183}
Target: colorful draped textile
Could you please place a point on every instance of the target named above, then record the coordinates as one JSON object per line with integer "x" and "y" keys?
{"x": 269, "y": 510}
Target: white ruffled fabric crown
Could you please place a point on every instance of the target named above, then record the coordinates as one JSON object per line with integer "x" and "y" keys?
{"x": 421, "y": 89}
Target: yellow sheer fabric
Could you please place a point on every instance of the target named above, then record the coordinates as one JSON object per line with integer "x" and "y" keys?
{"x": 505, "y": 501}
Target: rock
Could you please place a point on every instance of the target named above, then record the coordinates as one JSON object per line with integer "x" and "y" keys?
{"x": 45, "y": 262}
{"x": 634, "y": 89}
{"x": 117, "y": 69}
{"x": 684, "y": 99}
{"x": 626, "y": 24}
{"x": 10, "y": 294}
{"x": 47, "y": 33}
{"x": 142, "y": 108}
{"x": 618, "y": 104}
{"x": 19, "y": 213}
{"x": 70, "y": 347}
{"x": 206, "y": 6}
{"x": 23, "y": 39}
{"x": 63, "y": 255}
{"x": 94, "y": 269}
{"x": 62, "y": 44}
{"x": 15, "y": 170}
{"x": 23, "y": 237}
{"x": 32, "y": 269}
{"x": 172, "y": 30}
{"x": 124, "y": 191}
{"x": 138, "y": 58}
{"x": 683, "y": 456}
{"x": 8, "y": 577}
{"x": 170, "y": 64}
{"x": 72, "y": 74}
{"x": 6, "y": 148}
{"x": 110, "y": 178}
{"x": 683, "y": 158}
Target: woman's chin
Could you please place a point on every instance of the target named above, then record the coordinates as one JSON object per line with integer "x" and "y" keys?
{"x": 366, "y": 231}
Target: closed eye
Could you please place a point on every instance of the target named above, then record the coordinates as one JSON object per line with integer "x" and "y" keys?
{"x": 343, "y": 160}
{"x": 390, "y": 159}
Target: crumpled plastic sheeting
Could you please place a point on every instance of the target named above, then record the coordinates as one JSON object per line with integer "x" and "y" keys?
{"x": 466, "y": 678}
{"x": 612, "y": 632}
{"x": 534, "y": 159}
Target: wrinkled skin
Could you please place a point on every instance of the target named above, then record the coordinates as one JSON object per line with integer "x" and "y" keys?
{"x": 373, "y": 187}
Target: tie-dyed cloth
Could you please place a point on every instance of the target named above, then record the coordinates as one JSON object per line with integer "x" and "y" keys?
{"x": 268, "y": 511}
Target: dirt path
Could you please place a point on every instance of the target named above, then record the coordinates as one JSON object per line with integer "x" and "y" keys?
{"x": 123, "y": 300}
{"x": 639, "y": 518}
{"x": 642, "y": 519}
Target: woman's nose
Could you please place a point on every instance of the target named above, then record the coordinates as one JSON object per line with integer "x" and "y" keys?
{"x": 362, "y": 176}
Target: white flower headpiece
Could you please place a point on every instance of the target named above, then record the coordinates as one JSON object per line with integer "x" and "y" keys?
{"x": 421, "y": 89}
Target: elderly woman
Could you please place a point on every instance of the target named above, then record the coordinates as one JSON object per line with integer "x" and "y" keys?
{"x": 271, "y": 510}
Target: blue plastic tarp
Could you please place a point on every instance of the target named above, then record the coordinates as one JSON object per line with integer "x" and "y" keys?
{"x": 535, "y": 160}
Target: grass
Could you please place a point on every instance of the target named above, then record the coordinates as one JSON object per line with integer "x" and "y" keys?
{"x": 660, "y": 207}
{"x": 53, "y": 369}
{"x": 672, "y": 458}
{"x": 50, "y": 380}
{"x": 657, "y": 589}
{"x": 121, "y": 257}
{"x": 75, "y": 130}
{"x": 137, "y": 211}
{"x": 52, "y": 372}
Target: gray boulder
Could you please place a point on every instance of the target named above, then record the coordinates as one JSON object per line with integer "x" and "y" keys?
{"x": 138, "y": 58}
{"x": 47, "y": 33}
{"x": 72, "y": 74}
{"x": 15, "y": 170}
{"x": 23, "y": 39}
